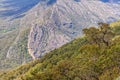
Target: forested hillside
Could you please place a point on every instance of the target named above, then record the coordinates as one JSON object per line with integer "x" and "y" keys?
{"x": 95, "y": 56}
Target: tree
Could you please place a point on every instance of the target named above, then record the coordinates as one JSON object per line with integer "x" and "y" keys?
{"x": 101, "y": 35}
{"x": 91, "y": 34}
{"x": 106, "y": 33}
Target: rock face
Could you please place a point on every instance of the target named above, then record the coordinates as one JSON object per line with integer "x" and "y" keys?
{"x": 64, "y": 20}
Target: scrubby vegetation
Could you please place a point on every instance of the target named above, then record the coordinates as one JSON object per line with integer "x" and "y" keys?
{"x": 16, "y": 52}
{"x": 22, "y": 47}
{"x": 96, "y": 56}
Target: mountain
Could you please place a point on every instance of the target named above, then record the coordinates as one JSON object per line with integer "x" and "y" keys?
{"x": 64, "y": 20}
{"x": 114, "y": 1}
{"x": 81, "y": 59}
{"x": 16, "y": 8}
{"x": 38, "y": 26}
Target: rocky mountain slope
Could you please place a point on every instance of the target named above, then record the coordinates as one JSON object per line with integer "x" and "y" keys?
{"x": 77, "y": 60}
{"x": 48, "y": 25}
{"x": 63, "y": 21}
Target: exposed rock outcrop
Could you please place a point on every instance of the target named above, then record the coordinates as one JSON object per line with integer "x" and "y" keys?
{"x": 64, "y": 20}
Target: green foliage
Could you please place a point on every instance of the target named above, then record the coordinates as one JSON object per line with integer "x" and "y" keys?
{"x": 86, "y": 58}
{"x": 101, "y": 35}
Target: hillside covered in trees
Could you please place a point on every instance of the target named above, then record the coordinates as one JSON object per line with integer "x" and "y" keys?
{"x": 95, "y": 56}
